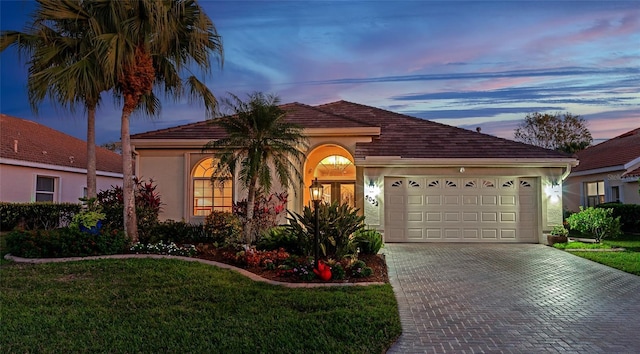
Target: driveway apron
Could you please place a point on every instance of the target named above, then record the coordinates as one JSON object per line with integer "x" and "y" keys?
{"x": 506, "y": 298}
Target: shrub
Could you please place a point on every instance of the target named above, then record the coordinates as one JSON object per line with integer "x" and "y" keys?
{"x": 337, "y": 222}
{"x": 178, "y": 231}
{"x": 278, "y": 237}
{"x": 559, "y": 230}
{"x": 223, "y": 229}
{"x": 598, "y": 222}
{"x": 368, "y": 241}
{"x": 266, "y": 211}
{"x": 360, "y": 270}
{"x": 629, "y": 215}
{"x": 36, "y": 216}
{"x": 148, "y": 206}
{"x": 65, "y": 242}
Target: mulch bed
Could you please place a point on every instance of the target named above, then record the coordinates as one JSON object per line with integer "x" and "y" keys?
{"x": 376, "y": 262}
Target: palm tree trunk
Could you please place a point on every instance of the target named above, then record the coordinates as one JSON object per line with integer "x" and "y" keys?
{"x": 91, "y": 152}
{"x": 130, "y": 222}
{"x": 251, "y": 201}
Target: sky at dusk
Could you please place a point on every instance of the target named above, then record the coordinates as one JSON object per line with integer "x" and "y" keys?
{"x": 463, "y": 63}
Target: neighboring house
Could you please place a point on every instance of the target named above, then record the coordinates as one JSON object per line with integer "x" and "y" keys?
{"x": 414, "y": 180}
{"x": 608, "y": 172}
{"x": 38, "y": 163}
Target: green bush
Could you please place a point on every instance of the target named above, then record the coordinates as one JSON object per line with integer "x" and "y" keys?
{"x": 65, "y": 242}
{"x": 360, "y": 270}
{"x": 223, "y": 229}
{"x": 368, "y": 241}
{"x": 629, "y": 215}
{"x": 36, "y": 216}
{"x": 597, "y": 222}
{"x": 278, "y": 237}
{"x": 178, "y": 231}
{"x": 337, "y": 222}
{"x": 148, "y": 206}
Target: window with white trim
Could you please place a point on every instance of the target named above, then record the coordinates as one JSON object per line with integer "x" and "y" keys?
{"x": 595, "y": 193}
{"x": 45, "y": 189}
{"x": 210, "y": 195}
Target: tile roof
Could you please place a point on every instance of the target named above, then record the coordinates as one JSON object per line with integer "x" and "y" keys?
{"x": 298, "y": 113}
{"x": 617, "y": 151}
{"x": 401, "y": 135}
{"x": 411, "y": 137}
{"x": 30, "y": 141}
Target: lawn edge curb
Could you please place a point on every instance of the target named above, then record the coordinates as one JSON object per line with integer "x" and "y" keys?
{"x": 244, "y": 272}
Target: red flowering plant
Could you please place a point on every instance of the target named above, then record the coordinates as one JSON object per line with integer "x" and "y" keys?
{"x": 262, "y": 259}
{"x": 266, "y": 211}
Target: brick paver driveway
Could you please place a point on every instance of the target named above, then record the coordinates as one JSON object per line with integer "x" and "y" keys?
{"x": 470, "y": 298}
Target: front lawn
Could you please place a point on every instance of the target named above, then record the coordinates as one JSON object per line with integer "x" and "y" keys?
{"x": 627, "y": 261}
{"x": 150, "y": 305}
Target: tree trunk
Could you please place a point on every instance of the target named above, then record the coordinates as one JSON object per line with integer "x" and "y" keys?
{"x": 91, "y": 152}
{"x": 251, "y": 201}
{"x": 130, "y": 222}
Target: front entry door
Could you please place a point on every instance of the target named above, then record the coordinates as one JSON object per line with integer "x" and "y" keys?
{"x": 341, "y": 192}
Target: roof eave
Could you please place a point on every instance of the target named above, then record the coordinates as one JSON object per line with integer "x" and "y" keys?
{"x": 397, "y": 161}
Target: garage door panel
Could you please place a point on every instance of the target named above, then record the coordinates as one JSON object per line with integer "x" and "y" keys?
{"x": 489, "y": 199}
{"x": 467, "y": 216}
{"x": 414, "y": 233}
{"x": 489, "y": 217}
{"x": 471, "y": 209}
{"x": 508, "y": 200}
{"x": 451, "y": 200}
{"x": 452, "y": 233}
{"x": 453, "y": 216}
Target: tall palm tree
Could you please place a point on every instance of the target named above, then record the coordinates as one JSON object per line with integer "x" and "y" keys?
{"x": 139, "y": 45}
{"x": 62, "y": 65}
{"x": 147, "y": 44}
{"x": 258, "y": 140}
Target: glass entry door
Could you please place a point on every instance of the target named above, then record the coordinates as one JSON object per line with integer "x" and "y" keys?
{"x": 341, "y": 192}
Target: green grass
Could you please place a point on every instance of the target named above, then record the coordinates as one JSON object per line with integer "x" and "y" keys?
{"x": 172, "y": 306}
{"x": 627, "y": 261}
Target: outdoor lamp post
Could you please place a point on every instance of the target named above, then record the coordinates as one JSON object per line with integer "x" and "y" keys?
{"x": 316, "y": 191}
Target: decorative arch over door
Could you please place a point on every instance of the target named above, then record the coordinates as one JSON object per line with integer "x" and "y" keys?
{"x": 333, "y": 166}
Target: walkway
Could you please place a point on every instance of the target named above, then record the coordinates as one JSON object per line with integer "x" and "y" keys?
{"x": 502, "y": 298}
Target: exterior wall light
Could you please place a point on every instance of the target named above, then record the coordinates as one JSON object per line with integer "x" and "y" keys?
{"x": 315, "y": 191}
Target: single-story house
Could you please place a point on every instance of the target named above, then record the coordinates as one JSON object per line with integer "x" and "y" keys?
{"x": 608, "y": 172}
{"x": 414, "y": 180}
{"x": 38, "y": 163}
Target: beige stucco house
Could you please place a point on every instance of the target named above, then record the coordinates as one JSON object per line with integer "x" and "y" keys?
{"x": 608, "y": 172}
{"x": 414, "y": 180}
{"x": 38, "y": 163}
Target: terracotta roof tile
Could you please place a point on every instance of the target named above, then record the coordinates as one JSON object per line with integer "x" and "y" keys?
{"x": 401, "y": 135}
{"x": 35, "y": 142}
{"x": 613, "y": 152}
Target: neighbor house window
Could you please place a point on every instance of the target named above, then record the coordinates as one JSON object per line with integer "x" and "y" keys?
{"x": 45, "y": 189}
{"x": 615, "y": 194}
{"x": 208, "y": 195}
{"x": 595, "y": 193}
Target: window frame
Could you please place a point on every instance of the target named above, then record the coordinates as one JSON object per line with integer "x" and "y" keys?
{"x": 592, "y": 200}
{"x": 199, "y": 174}
{"x": 42, "y": 192}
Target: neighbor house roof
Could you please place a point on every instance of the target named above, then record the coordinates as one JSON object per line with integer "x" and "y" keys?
{"x": 29, "y": 141}
{"x": 400, "y": 135}
{"x": 613, "y": 153}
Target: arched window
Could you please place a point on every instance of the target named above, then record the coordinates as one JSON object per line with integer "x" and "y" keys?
{"x": 208, "y": 195}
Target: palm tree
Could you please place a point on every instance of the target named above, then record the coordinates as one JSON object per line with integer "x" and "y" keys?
{"x": 138, "y": 45}
{"x": 145, "y": 44}
{"x": 62, "y": 65}
{"x": 258, "y": 140}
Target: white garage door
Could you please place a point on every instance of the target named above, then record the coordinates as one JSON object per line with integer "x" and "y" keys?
{"x": 453, "y": 209}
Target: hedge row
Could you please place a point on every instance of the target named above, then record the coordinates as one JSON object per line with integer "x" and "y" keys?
{"x": 36, "y": 216}
{"x": 629, "y": 215}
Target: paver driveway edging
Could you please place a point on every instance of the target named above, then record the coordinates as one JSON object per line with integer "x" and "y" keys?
{"x": 524, "y": 298}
